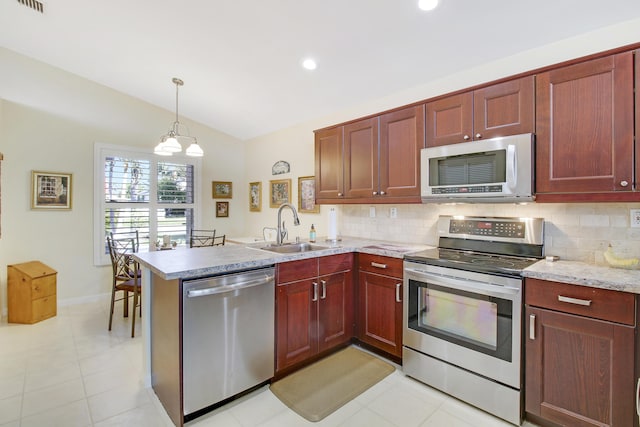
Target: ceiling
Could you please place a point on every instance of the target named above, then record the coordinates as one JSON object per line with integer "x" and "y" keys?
{"x": 240, "y": 60}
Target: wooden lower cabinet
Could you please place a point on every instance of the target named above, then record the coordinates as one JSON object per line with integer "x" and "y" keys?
{"x": 31, "y": 291}
{"x": 579, "y": 369}
{"x": 315, "y": 312}
{"x": 380, "y": 303}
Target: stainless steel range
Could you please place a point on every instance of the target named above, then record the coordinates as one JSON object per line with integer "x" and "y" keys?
{"x": 463, "y": 310}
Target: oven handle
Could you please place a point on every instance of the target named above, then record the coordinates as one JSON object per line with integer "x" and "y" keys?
{"x": 464, "y": 284}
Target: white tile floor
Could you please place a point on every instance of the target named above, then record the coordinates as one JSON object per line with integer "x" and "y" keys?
{"x": 69, "y": 371}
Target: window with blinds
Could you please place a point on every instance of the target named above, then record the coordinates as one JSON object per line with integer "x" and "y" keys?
{"x": 145, "y": 194}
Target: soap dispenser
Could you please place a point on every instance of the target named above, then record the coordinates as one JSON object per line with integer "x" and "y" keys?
{"x": 312, "y": 234}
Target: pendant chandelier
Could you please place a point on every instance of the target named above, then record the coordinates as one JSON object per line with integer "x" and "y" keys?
{"x": 170, "y": 142}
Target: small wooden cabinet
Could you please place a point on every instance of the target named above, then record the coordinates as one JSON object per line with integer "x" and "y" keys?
{"x": 374, "y": 160}
{"x": 314, "y": 307}
{"x": 502, "y": 109}
{"x": 380, "y": 303}
{"x": 31, "y": 291}
{"x": 579, "y": 354}
{"x": 584, "y": 131}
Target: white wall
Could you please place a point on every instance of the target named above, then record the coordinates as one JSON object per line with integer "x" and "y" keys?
{"x": 578, "y": 231}
{"x": 49, "y": 121}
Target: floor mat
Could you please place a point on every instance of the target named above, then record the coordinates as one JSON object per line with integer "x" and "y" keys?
{"x": 319, "y": 389}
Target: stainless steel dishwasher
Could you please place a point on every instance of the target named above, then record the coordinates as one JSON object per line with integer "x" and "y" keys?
{"x": 228, "y": 336}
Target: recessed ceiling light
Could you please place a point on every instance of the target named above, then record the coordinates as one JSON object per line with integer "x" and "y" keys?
{"x": 309, "y": 64}
{"x": 427, "y": 4}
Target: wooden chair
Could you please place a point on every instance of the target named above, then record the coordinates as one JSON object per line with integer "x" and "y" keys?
{"x": 202, "y": 238}
{"x": 219, "y": 240}
{"x": 126, "y": 277}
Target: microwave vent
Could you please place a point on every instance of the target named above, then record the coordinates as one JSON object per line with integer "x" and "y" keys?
{"x": 33, "y": 4}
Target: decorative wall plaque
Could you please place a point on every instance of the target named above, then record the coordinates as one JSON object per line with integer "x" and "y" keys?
{"x": 280, "y": 167}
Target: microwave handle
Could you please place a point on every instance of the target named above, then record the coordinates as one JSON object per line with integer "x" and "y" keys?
{"x": 512, "y": 166}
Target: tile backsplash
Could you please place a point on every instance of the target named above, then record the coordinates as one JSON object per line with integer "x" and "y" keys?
{"x": 573, "y": 231}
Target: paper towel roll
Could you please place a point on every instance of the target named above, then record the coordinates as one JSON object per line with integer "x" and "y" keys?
{"x": 332, "y": 228}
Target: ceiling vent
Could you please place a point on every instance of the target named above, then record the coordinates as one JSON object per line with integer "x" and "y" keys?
{"x": 33, "y": 4}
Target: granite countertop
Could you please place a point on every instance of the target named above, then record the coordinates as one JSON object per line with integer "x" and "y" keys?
{"x": 185, "y": 263}
{"x": 580, "y": 273}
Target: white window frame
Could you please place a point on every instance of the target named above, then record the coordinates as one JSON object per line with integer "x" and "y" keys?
{"x": 101, "y": 151}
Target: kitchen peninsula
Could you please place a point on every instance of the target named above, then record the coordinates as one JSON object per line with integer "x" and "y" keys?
{"x": 165, "y": 272}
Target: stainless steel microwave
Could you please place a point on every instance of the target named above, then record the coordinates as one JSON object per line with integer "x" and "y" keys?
{"x": 496, "y": 170}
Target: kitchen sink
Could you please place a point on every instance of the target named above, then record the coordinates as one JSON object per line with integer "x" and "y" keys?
{"x": 288, "y": 248}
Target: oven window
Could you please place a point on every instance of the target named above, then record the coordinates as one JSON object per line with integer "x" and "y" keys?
{"x": 478, "y": 322}
{"x": 459, "y": 316}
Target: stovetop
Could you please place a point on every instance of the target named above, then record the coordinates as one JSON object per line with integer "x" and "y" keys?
{"x": 503, "y": 246}
{"x": 472, "y": 261}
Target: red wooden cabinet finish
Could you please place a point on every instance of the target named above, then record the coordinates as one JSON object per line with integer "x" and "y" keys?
{"x": 501, "y": 109}
{"x": 584, "y": 129}
{"x": 380, "y": 303}
{"x": 314, "y": 307}
{"x": 579, "y": 370}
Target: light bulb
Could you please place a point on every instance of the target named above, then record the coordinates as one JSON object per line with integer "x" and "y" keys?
{"x": 427, "y": 4}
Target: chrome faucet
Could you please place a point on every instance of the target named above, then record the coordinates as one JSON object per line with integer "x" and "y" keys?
{"x": 282, "y": 231}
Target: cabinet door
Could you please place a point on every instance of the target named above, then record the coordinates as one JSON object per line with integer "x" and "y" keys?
{"x": 584, "y": 127}
{"x": 335, "y": 310}
{"x": 579, "y": 371}
{"x": 361, "y": 158}
{"x": 401, "y": 139}
{"x": 296, "y": 323}
{"x": 380, "y": 312}
{"x": 328, "y": 163}
{"x": 504, "y": 109}
{"x": 450, "y": 120}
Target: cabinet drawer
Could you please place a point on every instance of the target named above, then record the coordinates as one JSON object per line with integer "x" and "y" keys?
{"x": 597, "y": 303}
{"x": 381, "y": 265}
{"x": 43, "y": 287}
{"x": 335, "y": 263}
{"x": 297, "y": 270}
{"x": 43, "y": 308}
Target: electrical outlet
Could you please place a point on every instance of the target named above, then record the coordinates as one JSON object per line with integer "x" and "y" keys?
{"x": 393, "y": 212}
{"x": 372, "y": 211}
{"x": 634, "y": 219}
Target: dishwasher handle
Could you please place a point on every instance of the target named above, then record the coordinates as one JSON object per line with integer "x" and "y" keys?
{"x": 224, "y": 288}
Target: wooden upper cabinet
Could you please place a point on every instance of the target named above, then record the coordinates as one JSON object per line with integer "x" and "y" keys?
{"x": 374, "y": 160}
{"x": 361, "y": 158}
{"x": 584, "y": 129}
{"x": 401, "y": 139}
{"x": 497, "y": 110}
{"x": 328, "y": 163}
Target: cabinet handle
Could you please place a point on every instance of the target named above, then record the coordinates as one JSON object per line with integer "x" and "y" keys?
{"x": 375, "y": 193}
{"x": 466, "y": 137}
{"x": 339, "y": 194}
{"x": 382, "y": 193}
{"x": 378, "y": 265}
{"x": 324, "y": 289}
{"x": 398, "y": 285}
{"x": 624, "y": 183}
{"x": 315, "y": 292}
{"x": 532, "y": 326}
{"x": 638, "y": 397}
{"x": 585, "y": 302}
{"x": 478, "y": 136}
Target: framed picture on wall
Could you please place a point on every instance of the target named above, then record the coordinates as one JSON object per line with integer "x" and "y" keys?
{"x": 279, "y": 192}
{"x": 255, "y": 196}
{"x": 222, "y": 209}
{"x": 307, "y": 195}
{"x": 222, "y": 189}
{"x": 50, "y": 190}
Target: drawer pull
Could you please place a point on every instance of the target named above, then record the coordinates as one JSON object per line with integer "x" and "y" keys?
{"x": 638, "y": 397}
{"x": 315, "y": 292}
{"x": 324, "y": 289}
{"x": 576, "y": 301}
{"x": 378, "y": 265}
{"x": 532, "y": 326}
{"x": 398, "y": 287}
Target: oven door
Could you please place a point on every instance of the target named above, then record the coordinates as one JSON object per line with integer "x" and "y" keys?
{"x": 471, "y": 320}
